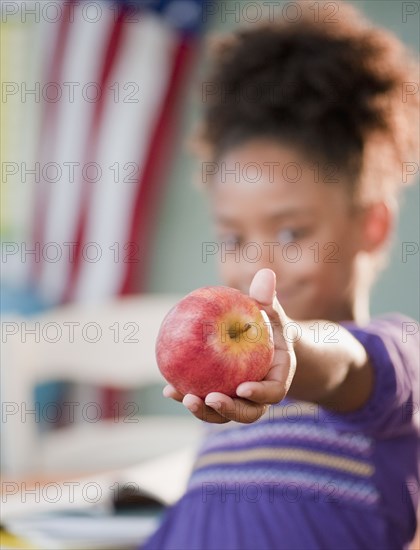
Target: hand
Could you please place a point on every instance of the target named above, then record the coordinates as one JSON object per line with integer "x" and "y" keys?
{"x": 253, "y": 397}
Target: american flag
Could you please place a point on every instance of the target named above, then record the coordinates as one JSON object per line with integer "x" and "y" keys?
{"x": 91, "y": 96}
{"x": 111, "y": 87}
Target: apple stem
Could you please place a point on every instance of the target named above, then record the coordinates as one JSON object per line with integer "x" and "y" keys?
{"x": 234, "y": 332}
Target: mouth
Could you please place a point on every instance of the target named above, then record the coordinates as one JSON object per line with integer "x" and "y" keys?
{"x": 283, "y": 296}
{"x": 286, "y": 294}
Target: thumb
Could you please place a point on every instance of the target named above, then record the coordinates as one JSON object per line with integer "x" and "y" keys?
{"x": 263, "y": 290}
{"x": 263, "y": 287}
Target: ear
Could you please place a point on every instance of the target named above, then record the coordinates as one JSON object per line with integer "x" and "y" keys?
{"x": 377, "y": 225}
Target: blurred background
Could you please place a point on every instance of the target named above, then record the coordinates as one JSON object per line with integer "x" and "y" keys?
{"x": 98, "y": 202}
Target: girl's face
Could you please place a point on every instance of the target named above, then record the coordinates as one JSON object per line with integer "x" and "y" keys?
{"x": 271, "y": 209}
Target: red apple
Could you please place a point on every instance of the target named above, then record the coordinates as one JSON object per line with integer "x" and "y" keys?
{"x": 212, "y": 340}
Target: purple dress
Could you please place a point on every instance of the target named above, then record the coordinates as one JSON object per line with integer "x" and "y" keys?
{"x": 305, "y": 478}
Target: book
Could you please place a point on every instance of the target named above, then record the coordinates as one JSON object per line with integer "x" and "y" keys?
{"x": 84, "y": 531}
{"x": 112, "y": 510}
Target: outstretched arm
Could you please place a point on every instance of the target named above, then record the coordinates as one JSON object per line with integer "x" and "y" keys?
{"x": 307, "y": 365}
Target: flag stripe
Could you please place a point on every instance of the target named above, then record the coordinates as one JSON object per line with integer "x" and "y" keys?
{"x": 124, "y": 143}
{"x": 73, "y": 121}
{"x": 111, "y": 56}
{"x": 48, "y": 130}
{"x": 149, "y": 190}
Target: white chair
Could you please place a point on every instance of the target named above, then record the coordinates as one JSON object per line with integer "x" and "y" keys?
{"x": 111, "y": 344}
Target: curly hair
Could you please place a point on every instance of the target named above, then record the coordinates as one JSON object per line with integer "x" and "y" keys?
{"x": 342, "y": 92}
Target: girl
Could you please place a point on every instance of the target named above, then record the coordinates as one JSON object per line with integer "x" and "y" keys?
{"x": 323, "y": 453}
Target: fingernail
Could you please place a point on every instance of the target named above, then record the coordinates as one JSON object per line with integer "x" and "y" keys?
{"x": 193, "y": 408}
{"x": 244, "y": 393}
{"x": 213, "y": 405}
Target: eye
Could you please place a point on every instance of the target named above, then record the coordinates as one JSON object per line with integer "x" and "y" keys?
{"x": 289, "y": 235}
{"x": 230, "y": 240}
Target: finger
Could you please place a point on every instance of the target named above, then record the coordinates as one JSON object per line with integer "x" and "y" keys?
{"x": 263, "y": 290}
{"x": 201, "y": 411}
{"x": 263, "y": 287}
{"x": 171, "y": 393}
{"x": 264, "y": 392}
{"x": 238, "y": 410}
